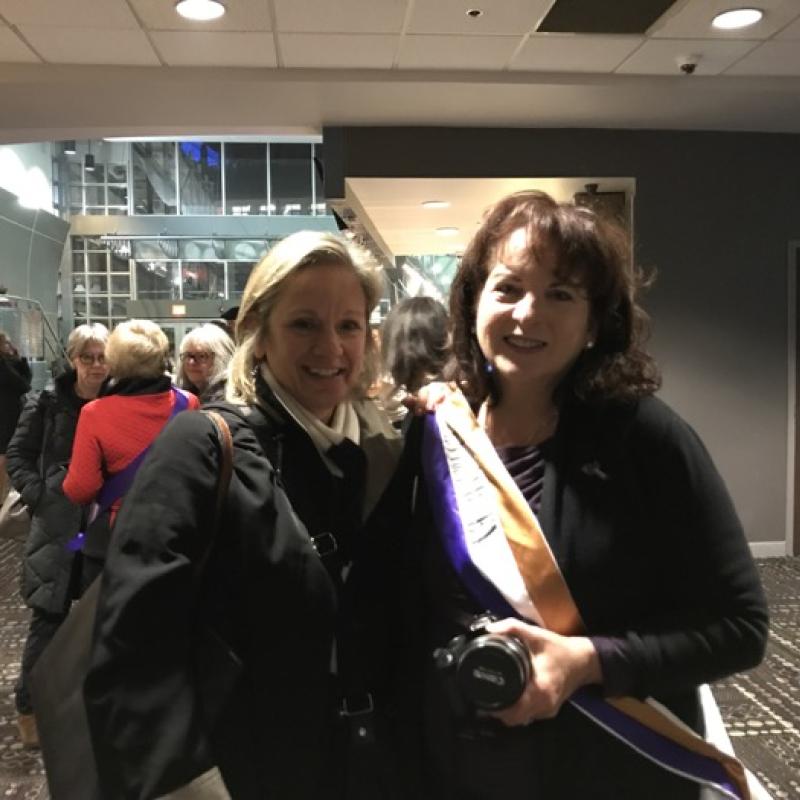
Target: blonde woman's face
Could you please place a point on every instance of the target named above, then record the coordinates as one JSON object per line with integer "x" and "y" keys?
{"x": 316, "y": 337}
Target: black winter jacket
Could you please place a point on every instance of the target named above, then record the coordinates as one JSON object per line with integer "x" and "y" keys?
{"x": 38, "y": 455}
{"x": 15, "y": 382}
{"x": 166, "y": 654}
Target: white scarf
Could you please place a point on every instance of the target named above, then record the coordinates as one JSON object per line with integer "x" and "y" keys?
{"x": 344, "y": 425}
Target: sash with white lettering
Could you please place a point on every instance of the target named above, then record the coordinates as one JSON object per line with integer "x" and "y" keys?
{"x": 493, "y": 541}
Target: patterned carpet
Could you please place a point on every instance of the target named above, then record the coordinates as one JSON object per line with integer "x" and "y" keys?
{"x": 761, "y": 708}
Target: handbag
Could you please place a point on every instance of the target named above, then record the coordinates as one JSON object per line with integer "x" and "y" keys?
{"x": 58, "y": 676}
{"x": 15, "y": 521}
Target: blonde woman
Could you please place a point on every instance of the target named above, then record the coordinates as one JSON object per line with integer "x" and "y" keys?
{"x": 232, "y": 684}
{"x": 135, "y": 405}
{"x": 38, "y": 455}
{"x": 205, "y": 354}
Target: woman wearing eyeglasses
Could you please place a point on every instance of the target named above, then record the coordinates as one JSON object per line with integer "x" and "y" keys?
{"x": 38, "y": 454}
{"x": 205, "y": 353}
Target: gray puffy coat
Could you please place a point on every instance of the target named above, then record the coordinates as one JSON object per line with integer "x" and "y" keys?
{"x": 38, "y": 455}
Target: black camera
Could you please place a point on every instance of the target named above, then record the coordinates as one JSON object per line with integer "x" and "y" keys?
{"x": 483, "y": 671}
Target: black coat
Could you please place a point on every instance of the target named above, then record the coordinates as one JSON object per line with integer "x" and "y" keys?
{"x": 15, "y": 383}
{"x": 651, "y": 548}
{"x": 38, "y": 456}
{"x": 262, "y": 619}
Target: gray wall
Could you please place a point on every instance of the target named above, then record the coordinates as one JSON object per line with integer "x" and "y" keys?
{"x": 31, "y": 244}
{"x": 714, "y": 213}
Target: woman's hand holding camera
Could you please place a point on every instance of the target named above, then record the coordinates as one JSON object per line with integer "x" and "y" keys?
{"x": 561, "y": 665}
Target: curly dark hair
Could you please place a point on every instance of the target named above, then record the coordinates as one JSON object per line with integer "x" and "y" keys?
{"x": 593, "y": 252}
{"x": 414, "y": 341}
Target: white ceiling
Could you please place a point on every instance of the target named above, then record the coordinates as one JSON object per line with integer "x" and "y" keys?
{"x": 276, "y": 64}
{"x": 391, "y": 208}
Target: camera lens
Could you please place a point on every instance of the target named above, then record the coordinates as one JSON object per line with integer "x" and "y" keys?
{"x": 493, "y": 670}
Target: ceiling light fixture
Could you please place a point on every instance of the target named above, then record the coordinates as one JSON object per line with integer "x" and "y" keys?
{"x": 200, "y": 10}
{"x": 737, "y": 18}
{"x": 69, "y": 147}
{"x": 474, "y": 13}
{"x": 447, "y": 231}
{"x": 436, "y": 204}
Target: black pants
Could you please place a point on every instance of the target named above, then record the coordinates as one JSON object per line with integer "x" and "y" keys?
{"x": 43, "y": 627}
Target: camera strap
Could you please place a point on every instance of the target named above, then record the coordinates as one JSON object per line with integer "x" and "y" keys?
{"x": 495, "y": 545}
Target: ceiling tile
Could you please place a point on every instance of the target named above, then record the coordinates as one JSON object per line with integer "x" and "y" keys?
{"x": 553, "y": 53}
{"x": 240, "y": 15}
{"x": 456, "y": 52}
{"x": 770, "y": 58}
{"x": 65, "y": 13}
{"x": 510, "y": 17}
{"x": 693, "y": 20}
{"x": 791, "y": 31}
{"x": 215, "y": 49}
{"x": 14, "y": 50}
{"x": 663, "y": 56}
{"x": 341, "y": 51}
{"x": 91, "y": 46}
{"x": 342, "y": 16}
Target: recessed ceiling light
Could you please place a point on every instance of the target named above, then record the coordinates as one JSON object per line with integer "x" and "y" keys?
{"x": 474, "y": 13}
{"x": 737, "y": 18}
{"x": 447, "y": 231}
{"x": 436, "y": 204}
{"x": 200, "y": 10}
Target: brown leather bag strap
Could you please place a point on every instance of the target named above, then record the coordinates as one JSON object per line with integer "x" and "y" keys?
{"x": 225, "y": 471}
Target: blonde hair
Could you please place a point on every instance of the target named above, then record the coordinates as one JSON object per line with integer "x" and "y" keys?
{"x": 84, "y": 335}
{"x": 214, "y": 340}
{"x": 137, "y": 348}
{"x": 301, "y": 250}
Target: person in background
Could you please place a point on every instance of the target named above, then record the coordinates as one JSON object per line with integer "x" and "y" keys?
{"x": 413, "y": 351}
{"x": 205, "y": 353}
{"x": 553, "y": 489}
{"x": 122, "y": 423}
{"x": 15, "y": 383}
{"x": 214, "y": 668}
{"x": 38, "y": 455}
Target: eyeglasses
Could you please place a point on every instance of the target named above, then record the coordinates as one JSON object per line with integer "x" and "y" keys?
{"x": 198, "y": 358}
{"x": 87, "y": 359}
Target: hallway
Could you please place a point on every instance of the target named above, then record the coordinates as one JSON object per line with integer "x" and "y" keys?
{"x": 761, "y": 708}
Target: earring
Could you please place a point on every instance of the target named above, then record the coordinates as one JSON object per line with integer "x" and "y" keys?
{"x": 589, "y": 345}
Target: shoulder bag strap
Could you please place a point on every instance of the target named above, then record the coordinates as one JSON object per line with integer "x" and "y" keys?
{"x": 225, "y": 439}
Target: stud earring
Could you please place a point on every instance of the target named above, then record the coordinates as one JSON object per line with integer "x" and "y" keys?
{"x": 589, "y": 345}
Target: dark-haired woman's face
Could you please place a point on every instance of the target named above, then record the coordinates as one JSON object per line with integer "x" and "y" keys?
{"x": 531, "y": 324}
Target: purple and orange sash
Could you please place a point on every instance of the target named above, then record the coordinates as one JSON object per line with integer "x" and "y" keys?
{"x": 496, "y": 546}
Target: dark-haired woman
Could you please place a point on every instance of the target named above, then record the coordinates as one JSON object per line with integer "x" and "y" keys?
{"x": 555, "y": 491}
{"x": 413, "y": 351}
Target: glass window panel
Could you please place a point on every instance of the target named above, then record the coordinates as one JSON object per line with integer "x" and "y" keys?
{"x": 96, "y": 175}
{"x": 203, "y": 279}
{"x": 195, "y": 249}
{"x": 117, "y": 211}
{"x": 118, "y": 195}
{"x": 238, "y": 273}
{"x": 98, "y": 306}
{"x": 79, "y": 283}
{"x": 76, "y": 195}
{"x": 79, "y": 306}
{"x": 75, "y": 171}
{"x": 96, "y": 262}
{"x": 77, "y": 262}
{"x": 98, "y": 284}
{"x": 290, "y": 166}
{"x": 95, "y": 195}
{"x": 120, "y": 284}
{"x": 157, "y": 279}
{"x": 75, "y": 211}
{"x": 119, "y": 263}
{"x": 119, "y": 308}
{"x": 117, "y": 173}
{"x": 95, "y": 211}
{"x": 95, "y": 243}
{"x": 153, "y": 177}
{"x": 245, "y": 178}
{"x": 200, "y": 175}
{"x": 245, "y": 249}
{"x": 77, "y": 243}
